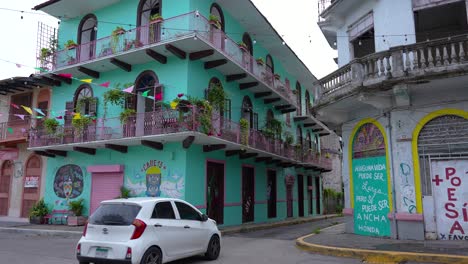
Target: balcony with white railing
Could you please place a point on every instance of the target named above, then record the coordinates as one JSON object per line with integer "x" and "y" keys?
{"x": 168, "y": 125}
{"x": 187, "y": 35}
{"x": 15, "y": 131}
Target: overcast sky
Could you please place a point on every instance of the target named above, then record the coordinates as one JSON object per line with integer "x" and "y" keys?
{"x": 296, "y": 22}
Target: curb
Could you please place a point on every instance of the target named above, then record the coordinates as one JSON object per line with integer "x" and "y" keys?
{"x": 378, "y": 256}
{"x": 42, "y": 232}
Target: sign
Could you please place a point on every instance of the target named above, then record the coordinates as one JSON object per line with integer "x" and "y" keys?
{"x": 9, "y": 154}
{"x": 31, "y": 182}
{"x": 371, "y": 204}
{"x": 450, "y": 190}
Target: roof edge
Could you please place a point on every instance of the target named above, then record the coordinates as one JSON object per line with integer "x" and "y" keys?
{"x": 45, "y": 4}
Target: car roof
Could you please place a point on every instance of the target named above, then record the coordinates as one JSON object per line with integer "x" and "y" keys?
{"x": 141, "y": 200}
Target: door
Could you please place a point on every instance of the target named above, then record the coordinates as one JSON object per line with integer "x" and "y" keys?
{"x": 104, "y": 186}
{"x": 271, "y": 193}
{"x": 289, "y": 200}
{"x": 5, "y": 181}
{"x": 248, "y": 194}
{"x": 196, "y": 233}
{"x": 31, "y": 186}
{"x": 318, "y": 196}
{"x": 300, "y": 194}
{"x": 215, "y": 191}
{"x": 309, "y": 194}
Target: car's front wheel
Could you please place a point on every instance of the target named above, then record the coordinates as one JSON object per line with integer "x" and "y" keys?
{"x": 152, "y": 256}
{"x": 214, "y": 248}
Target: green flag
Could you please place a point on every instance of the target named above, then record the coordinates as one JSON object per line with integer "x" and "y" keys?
{"x": 145, "y": 94}
{"x": 10, "y": 130}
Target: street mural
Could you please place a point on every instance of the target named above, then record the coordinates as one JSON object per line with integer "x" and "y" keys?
{"x": 154, "y": 179}
{"x": 450, "y": 189}
{"x": 407, "y": 188}
{"x": 370, "y": 183}
{"x": 68, "y": 181}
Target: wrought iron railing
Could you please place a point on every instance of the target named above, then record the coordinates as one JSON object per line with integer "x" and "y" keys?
{"x": 169, "y": 121}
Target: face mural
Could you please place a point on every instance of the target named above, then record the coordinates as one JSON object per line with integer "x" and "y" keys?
{"x": 68, "y": 182}
{"x": 153, "y": 182}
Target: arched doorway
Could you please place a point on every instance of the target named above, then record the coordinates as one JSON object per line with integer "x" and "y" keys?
{"x": 307, "y": 103}
{"x": 299, "y": 99}
{"x": 32, "y": 184}
{"x": 443, "y": 160}
{"x": 87, "y": 33}
{"x": 247, "y": 111}
{"x": 217, "y": 33}
{"x": 270, "y": 69}
{"x": 149, "y": 32}
{"x": 218, "y": 110}
{"x": 247, "y": 56}
{"x": 5, "y": 186}
{"x": 369, "y": 170}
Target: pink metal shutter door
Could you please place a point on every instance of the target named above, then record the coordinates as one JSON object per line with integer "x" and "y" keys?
{"x": 105, "y": 186}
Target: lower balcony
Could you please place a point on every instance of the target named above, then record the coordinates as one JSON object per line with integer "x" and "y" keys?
{"x": 154, "y": 129}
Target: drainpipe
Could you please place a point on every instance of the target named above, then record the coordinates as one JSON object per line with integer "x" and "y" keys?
{"x": 390, "y": 150}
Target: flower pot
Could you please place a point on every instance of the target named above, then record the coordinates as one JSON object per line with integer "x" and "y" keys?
{"x": 76, "y": 220}
{"x": 215, "y": 24}
{"x": 119, "y": 32}
{"x": 159, "y": 20}
{"x": 37, "y": 220}
{"x": 72, "y": 46}
{"x": 243, "y": 48}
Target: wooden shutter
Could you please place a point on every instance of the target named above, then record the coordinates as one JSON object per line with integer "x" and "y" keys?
{"x": 227, "y": 109}
{"x": 255, "y": 121}
{"x": 69, "y": 107}
{"x": 158, "y": 96}
{"x": 93, "y": 107}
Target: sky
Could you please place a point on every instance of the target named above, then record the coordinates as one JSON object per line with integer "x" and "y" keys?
{"x": 297, "y": 23}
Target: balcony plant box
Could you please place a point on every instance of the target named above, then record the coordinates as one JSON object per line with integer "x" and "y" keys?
{"x": 214, "y": 21}
{"x": 243, "y": 47}
{"x": 277, "y": 77}
{"x": 76, "y": 208}
{"x": 118, "y": 31}
{"x": 260, "y": 61}
{"x": 156, "y": 18}
{"x": 70, "y": 44}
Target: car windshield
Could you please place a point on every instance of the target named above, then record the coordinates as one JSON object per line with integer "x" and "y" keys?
{"x": 115, "y": 214}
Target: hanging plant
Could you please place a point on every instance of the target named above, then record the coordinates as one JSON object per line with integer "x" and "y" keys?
{"x": 205, "y": 118}
{"x": 288, "y": 138}
{"x": 156, "y": 18}
{"x": 51, "y": 125}
{"x": 276, "y": 126}
{"x": 125, "y": 114}
{"x": 83, "y": 101}
{"x": 260, "y": 61}
{"x": 70, "y": 44}
{"x": 244, "y": 130}
{"x": 214, "y": 20}
{"x": 217, "y": 97}
{"x": 115, "y": 97}
{"x": 118, "y": 31}
{"x": 80, "y": 124}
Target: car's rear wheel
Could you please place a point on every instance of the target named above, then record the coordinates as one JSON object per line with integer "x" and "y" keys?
{"x": 214, "y": 248}
{"x": 152, "y": 256}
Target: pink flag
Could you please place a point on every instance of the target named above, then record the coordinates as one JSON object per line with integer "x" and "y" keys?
{"x": 59, "y": 117}
{"x": 128, "y": 90}
{"x": 20, "y": 116}
{"x": 159, "y": 97}
{"x": 66, "y": 75}
{"x": 15, "y": 106}
{"x": 106, "y": 84}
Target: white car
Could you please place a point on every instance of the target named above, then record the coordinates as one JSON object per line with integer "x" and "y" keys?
{"x": 147, "y": 230}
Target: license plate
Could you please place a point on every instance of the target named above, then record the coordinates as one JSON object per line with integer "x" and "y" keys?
{"x": 101, "y": 252}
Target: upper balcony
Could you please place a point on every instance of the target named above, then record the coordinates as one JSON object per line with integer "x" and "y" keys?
{"x": 398, "y": 75}
{"x": 154, "y": 129}
{"x": 14, "y": 132}
{"x": 186, "y": 36}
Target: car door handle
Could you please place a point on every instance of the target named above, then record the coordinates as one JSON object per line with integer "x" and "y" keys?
{"x": 186, "y": 226}
{"x": 157, "y": 225}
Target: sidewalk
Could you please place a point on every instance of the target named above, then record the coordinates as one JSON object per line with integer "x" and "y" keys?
{"x": 333, "y": 241}
{"x": 19, "y": 225}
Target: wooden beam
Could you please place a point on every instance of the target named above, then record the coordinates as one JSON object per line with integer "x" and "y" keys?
{"x": 156, "y": 56}
{"x": 317, "y": 130}
{"x": 188, "y": 142}
{"x": 176, "y": 51}
{"x": 310, "y": 125}
{"x": 262, "y": 94}
{"x": 215, "y": 63}
{"x": 92, "y": 73}
{"x": 16, "y": 89}
{"x": 273, "y": 161}
{"x": 210, "y": 148}
{"x": 286, "y": 164}
{"x": 324, "y": 134}
{"x": 119, "y": 148}
{"x": 263, "y": 159}
{"x": 282, "y": 107}
{"x": 152, "y": 144}
{"x": 235, "y": 77}
{"x": 271, "y": 100}
{"x": 89, "y": 151}
{"x": 48, "y": 81}
{"x": 201, "y": 54}
{"x": 298, "y": 166}
{"x": 299, "y": 118}
{"x": 45, "y": 154}
{"x": 57, "y": 152}
{"x": 244, "y": 86}
{"x": 61, "y": 78}
{"x": 247, "y": 155}
{"x": 285, "y": 111}
{"x": 230, "y": 153}
{"x": 122, "y": 65}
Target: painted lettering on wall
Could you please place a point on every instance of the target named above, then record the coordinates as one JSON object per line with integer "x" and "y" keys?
{"x": 68, "y": 181}
{"x": 371, "y": 204}
{"x": 449, "y": 182}
{"x": 407, "y": 189}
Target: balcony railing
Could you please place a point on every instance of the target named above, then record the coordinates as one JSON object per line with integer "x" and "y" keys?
{"x": 430, "y": 58}
{"x": 16, "y": 129}
{"x": 167, "y": 122}
{"x": 322, "y": 6}
{"x": 188, "y": 25}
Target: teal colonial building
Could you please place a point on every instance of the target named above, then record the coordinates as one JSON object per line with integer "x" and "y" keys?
{"x": 194, "y": 99}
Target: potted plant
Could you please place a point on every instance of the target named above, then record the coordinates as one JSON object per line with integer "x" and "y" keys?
{"x": 205, "y": 111}
{"x": 45, "y": 52}
{"x": 125, "y": 192}
{"x": 244, "y": 130}
{"x": 288, "y": 139}
{"x": 156, "y": 18}
{"x": 214, "y": 21}
{"x": 50, "y": 125}
{"x": 277, "y": 76}
{"x": 80, "y": 124}
{"x": 38, "y": 211}
{"x": 260, "y": 61}
{"x": 70, "y": 44}
{"x": 76, "y": 217}
{"x": 125, "y": 114}
{"x": 243, "y": 46}
{"x": 118, "y": 31}
{"x": 217, "y": 97}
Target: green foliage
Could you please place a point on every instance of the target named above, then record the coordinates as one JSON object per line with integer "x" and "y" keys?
{"x": 217, "y": 97}
{"x": 80, "y": 104}
{"x": 215, "y": 21}
{"x": 205, "y": 118}
{"x": 156, "y": 17}
{"x": 125, "y": 192}
{"x": 125, "y": 114}
{"x": 39, "y": 209}
{"x": 260, "y": 61}
{"x": 244, "y": 130}
{"x": 80, "y": 124}
{"x": 70, "y": 44}
{"x": 118, "y": 31}
{"x": 275, "y": 128}
{"x": 288, "y": 138}
{"x": 317, "y": 231}
{"x": 242, "y": 45}
{"x": 115, "y": 97}
{"x": 51, "y": 124}
{"x": 76, "y": 206}
{"x": 45, "y": 52}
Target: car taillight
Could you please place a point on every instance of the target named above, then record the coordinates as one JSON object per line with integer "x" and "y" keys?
{"x": 129, "y": 253}
{"x": 78, "y": 249}
{"x": 85, "y": 229}
{"x": 140, "y": 227}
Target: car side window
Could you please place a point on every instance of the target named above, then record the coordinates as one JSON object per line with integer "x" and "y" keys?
{"x": 163, "y": 210}
{"x": 187, "y": 213}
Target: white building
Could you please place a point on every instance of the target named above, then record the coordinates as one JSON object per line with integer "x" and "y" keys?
{"x": 400, "y": 102}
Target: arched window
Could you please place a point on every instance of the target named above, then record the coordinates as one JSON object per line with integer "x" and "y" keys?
{"x": 216, "y": 10}
{"x": 247, "y": 110}
{"x": 307, "y": 102}
{"x": 148, "y": 81}
{"x": 213, "y": 83}
{"x": 31, "y": 194}
{"x": 81, "y": 101}
{"x": 269, "y": 64}
{"x": 299, "y": 136}
{"x": 309, "y": 140}
{"x": 299, "y": 98}
{"x": 146, "y": 9}
{"x": 87, "y": 33}
{"x": 248, "y": 42}
{"x": 6, "y": 174}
